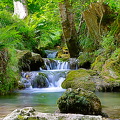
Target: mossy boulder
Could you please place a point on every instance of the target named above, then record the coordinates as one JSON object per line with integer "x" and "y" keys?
{"x": 40, "y": 81}
{"x": 63, "y": 53}
{"x": 79, "y": 79}
{"x": 79, "y": 101}
{"x": 86, "y": 79}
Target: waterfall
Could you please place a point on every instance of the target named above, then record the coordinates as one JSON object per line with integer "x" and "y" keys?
{"x": 51, "y": 53}
{"x": 51, "y": 64}
{"x": 51, "y": 76}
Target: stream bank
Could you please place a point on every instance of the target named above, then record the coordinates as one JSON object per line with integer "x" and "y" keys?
{"x": 35, "y": 96}
{"x": 89, "y": 80}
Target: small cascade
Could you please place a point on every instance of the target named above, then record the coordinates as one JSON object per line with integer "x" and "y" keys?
{"x": 51, "y": 53}
{"x": 51, "y": 64}
{"x": 51, "y": 76}
{"x": 43, "y": 79}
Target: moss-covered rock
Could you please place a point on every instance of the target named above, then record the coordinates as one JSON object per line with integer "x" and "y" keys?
{"x": 109, "y": 70}
{"x": 40, "y": 81}
{"x": 88, "y": 80}
{"x": 98, "y": 63}
{"x": 79, "y": 101}
{"x": 79, "y": 79}
{"x": 63, "y": 53}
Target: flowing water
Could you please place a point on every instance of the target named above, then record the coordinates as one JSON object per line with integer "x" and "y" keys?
{"x": 43, "y": 96}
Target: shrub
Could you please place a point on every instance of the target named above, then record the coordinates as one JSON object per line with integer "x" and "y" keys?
{"x": 9, "y": 73}
{"x": 108, "y": 42}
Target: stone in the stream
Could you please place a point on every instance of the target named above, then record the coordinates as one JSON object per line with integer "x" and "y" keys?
{"x": 79, "y": 101}
{"x": 29, "y": 113}
{"x": 40, "y": 81}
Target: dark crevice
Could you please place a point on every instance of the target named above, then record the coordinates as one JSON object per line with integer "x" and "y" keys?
{"x": 86, "y": 65}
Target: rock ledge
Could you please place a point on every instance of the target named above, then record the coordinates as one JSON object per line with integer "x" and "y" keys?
{"x": 29, "y": 113}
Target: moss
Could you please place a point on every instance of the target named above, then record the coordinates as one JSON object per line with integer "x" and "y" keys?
{"x": 61, "y": 59}
{"x": 98, "y": 63}
{"x": 42, "y": 74}
{"x": 40, "y": 81}
{"x": 29, "y": 61}
{"x": 78, "y": 101}
{"x": 85, "y": 57}
{"x": 79, "y": 79}
{"x": 20, "y": 117}
{"x": 9, "y": 74}
{"x": 34, "y": 118}
{"x": 109, "y": 70}
{"x": 63, "y": 53}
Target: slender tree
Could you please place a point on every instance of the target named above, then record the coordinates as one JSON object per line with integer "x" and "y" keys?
{"x": 20, "y": 8}
{"x": 68, "y": 26}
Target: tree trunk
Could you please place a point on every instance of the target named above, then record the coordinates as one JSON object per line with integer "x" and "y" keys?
{"x": 20, "y": 8}
{"x": 68, "y": 26}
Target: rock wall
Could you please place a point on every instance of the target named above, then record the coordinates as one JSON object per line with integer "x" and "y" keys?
{"x": 109, "y": 70}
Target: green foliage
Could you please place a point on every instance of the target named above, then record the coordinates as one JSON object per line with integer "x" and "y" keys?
{"x": 116, "y": 54}
{"x": 87, "y": 43}
{"x": 108, "y": 42}
{"x": 9, "y": 37}
{"x": 5, "y": 19}
{"x": 48, "y": 29}
{"x": 114, "y": 4}
{"x": 9, "y": 74}
{"x": 9, "y": 40}
{"x": 17, "y": 29}
{"x": 6, "y": 5}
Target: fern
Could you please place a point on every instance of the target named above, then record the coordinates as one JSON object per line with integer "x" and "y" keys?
{"x": 9, "y": 37}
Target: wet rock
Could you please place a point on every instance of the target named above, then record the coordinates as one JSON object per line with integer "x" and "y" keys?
{"x": 40, "y": 81}
{"x": 20, "y": 114}
{"x": 29, "y": 61}
{"x": 30, "y": 114}
{"x": 73, "y": 63}
{"x": 79, "y": 101}
{"x": 21, "y": 85}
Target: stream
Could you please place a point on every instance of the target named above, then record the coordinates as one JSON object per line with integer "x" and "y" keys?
{"x": 43, "y": 88}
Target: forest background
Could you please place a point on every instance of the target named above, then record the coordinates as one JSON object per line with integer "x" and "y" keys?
{"x": 91, "y": 26}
